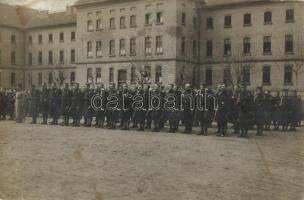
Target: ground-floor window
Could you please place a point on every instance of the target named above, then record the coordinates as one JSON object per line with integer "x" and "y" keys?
{"x": 50, "y": 78}
{"x": 89, "y": 75}
{"x": 39, "y": 78}
{"x": 246, "y": 75}
{"x": 208, "y": 77}
{"x": 266, "y": 75}
{"x": 13, "y": 79}
{"x": 133, "y": 75}
{"x": 98, "y": 75}
{"x": 288, "y": 75}
{"x": 158, "y": 74}
{"x": 72, "y": 77}
{"x": 111, "y": 75}
{"x": 227, "y": 78}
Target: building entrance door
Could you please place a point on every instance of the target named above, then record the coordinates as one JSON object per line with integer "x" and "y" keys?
{"x": 122, "y": 77}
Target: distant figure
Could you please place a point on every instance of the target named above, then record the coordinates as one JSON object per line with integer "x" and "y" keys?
{"x": 19, "y": 104}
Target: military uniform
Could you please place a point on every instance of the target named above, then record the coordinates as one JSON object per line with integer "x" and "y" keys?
{"x": 44, "y": 104}
{"x": 34, "y": 104}
{"x": 66, "y": 100}
{"x": 259, "y": 103}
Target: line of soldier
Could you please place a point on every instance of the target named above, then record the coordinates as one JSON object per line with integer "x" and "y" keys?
{"x": 242, "y": 108}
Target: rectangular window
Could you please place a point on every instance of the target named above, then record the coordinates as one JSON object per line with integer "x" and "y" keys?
{"x": 289, "y": 15}
{"x": 40, "y": 39}
{"x": 90, "y": 25}
{"x": 183, "y": 46}
{"x": 267, "y": 45}
{"x": 72, "y": 77}
{"x": 98, "y": 49}
{"x": 13, "y": 39}
{"x": 40, "y": 58}
{"x": 133, "y": 21}
{"x": 122, "y": 47}
{"x": 245, "y": 72}
{"x": 50, "y": 78}
{"x": 132, "y": 46}
{"x": 89, "y": 49}
{"x": 148, "y": 70}
{"x": 50, "y": 38}
{"x": 30, "y": 39}
{"x": 246, "y": 46}
{"x": 98, "y": 75}
{"x": 159, "y": 18}
{"x": 111, "y": 75}
{"x": 30, "y": 58}
{"x": 208, "y": 77}
{"x": 227, "y": 47}
{"x": 13, "y": 58}
{"x": 112, "y": 48}
{"x": 194, "y": 23}
{"x": 148, "y": 46}
{"x": 0, "y": 56}
{"x": 228, "y": 21}
{"x": 288, "y": 75}
{"x": 266, "y": 75}
{"x": 50, "y": 57}
{"x": 247, "y": 20}
{"x": 13, "y": 79}
{"x": 194, "y": 48}
{"x": 289, "y": 44}
{"x": 148, "y": 19}
{"x": 61, "y": 57}
{"x": 89, "y": 75}
{"x": 227, "y": 78}
{"x": 184, "y": 19}
{"x": 112, "y": 23}
{"x": 159, "y": 44}
{"x": 73, "y": 36}
{"x": 122, "y": 22}
{"x": 39, "y": 78}
{"x": 209, "y": 48}
{"x": 98, "y": 25}
{"x": 133, "y": 75}
{"x": 209, "y": 23}
{"x": 73, "y": 56}
{"x": 267, "y": 17}
{"x": 61, "y": 37}
{"x": 158, "y": 74}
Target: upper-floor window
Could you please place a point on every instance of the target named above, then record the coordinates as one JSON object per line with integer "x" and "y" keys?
{"x": 73, "y": 36}
{"x": 13, "y": 39}
{"x": 72, "y": 56}
{"x": 228, "y": 21}
{"x": 40, "y": 39}
{"x": 148, "y": 45}
{"x": 267, "y": 17}
{"x": 122, "y": 47}
{"x": 61, "y": 37}
{"x": 289, "y": 43}
{"x": 209, "y": 48}
{"x": 148, "y": 19}
{"x": 227, "y": 47}
{"x": 89, "y": 49}
{"x": 247, "y": 19}
{"x": 50, "y": 57}
{"x": 112, "y": 23}
{"x": 183, "y": 46}
{"x": 289, "y": 15}
{"x": 122, "y": 22}
{"x": 112, "y": 48}
{"x": 30, "y": 39}
{"x": 132, "y": 20}
{"x": 246, "y": 46}
{"x": 159, "y": 18}
{"x": 98, "y": 49}
{"x": 98, "y": 24}
{"x": 50, "y": 38}
{"x": 159, "y": 44}
{"x": 209, "y": 23}
{"x": 132, "y": 46}
{"x": 30, "y": 58}
{"x": 267, "y": 45}
{"x": 89, "y": 25}
{"x": 184, "y": 20}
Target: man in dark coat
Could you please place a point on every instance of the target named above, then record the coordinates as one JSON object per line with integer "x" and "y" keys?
{"x": 66, "y": 100}
{"x": 244, "y": 111}
{"x": 34, "y": 104}
{"x": 188, "y": 108}
{"x": 55, "y": 102}
{"x": 75, "y": 108}
{"x": 259, "y": 102}
{"x": 222, "y": 111}
{"x": 44, "y": 103}
{"x": 100, "y": 103}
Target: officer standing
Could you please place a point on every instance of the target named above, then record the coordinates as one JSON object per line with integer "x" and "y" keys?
{"x": 44, "y": 103}
{"x": 188, "y": 105}
{"x": 100, "y": 105}
{"x": 155, "y": 107}
{"x": 244, "y": 111}
{"x": 75, "y": 108}
{"x": 259, "y": 102}
{"x": 55, "y": 102}
{"x": 66, "y": 99}
{"x": 34, "y": 104}
{"x": 222, "y": 111}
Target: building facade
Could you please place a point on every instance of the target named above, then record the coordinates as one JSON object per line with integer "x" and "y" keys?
{"x": 156, "y": 41}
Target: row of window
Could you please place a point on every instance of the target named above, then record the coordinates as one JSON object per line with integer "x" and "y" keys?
{"x": 123, "y": 23}
{"x": 50, "y": 57}
{"x": 244, "y": 76}
{"x": 122, "y": 47}
{"x": 50, "y": 38}
{"x": 267, "y": 50}
{"x": 247, "y": 21}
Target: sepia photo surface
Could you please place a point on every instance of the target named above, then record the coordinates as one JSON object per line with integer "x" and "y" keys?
{"x": 151, "y": 99}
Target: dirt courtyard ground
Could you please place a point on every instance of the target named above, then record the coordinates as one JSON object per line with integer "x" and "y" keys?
{"x": 63, "y": 163}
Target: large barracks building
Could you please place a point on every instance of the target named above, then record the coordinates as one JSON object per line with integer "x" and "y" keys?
{"x": 258, "y": 42}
